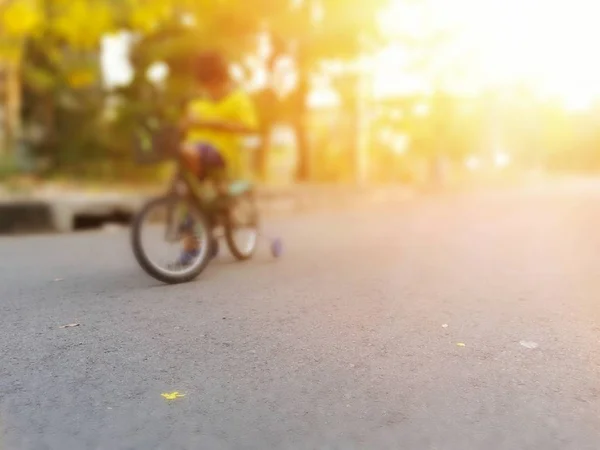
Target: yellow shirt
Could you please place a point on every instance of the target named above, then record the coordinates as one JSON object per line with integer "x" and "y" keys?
{"x": 236, "y": 107}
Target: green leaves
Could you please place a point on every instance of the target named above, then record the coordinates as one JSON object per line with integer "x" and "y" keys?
{"x": 58, "y": 43}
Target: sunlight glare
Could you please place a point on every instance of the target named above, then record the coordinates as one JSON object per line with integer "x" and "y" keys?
{"x": 502, "y": 159}
{"x": 548, "y": 44}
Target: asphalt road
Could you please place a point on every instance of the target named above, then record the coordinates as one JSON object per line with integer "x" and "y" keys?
{"x": 342, "y": 344}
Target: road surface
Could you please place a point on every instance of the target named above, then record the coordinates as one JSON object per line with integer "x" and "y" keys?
{"x": 448, "y": 323}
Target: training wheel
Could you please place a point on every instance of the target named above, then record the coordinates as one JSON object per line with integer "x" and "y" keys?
{"x": 277, "y": 248}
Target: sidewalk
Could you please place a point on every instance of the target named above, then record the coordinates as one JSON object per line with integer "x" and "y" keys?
{"x": 54, "y": 209}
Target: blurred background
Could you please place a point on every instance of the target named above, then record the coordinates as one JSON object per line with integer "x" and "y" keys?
{"x": 417, "y": 92}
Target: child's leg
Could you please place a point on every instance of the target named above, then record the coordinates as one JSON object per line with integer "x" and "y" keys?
{"x": 193, "y": 162}
{"x": 192, "y": 158}
{"x": 221, "y": 183}
{"x": 200, "y": 159}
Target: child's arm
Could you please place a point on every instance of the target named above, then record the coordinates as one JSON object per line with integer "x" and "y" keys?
{"x": 219, "y": 125}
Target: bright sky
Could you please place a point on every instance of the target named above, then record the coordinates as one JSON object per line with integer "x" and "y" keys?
{"x": 549, "y": 43}
{"x": 115, "y": 61}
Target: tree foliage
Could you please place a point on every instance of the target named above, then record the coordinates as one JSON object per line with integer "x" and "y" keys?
{"x": 57, "y": 43}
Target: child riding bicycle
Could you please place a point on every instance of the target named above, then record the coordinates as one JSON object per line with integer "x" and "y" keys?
{"x": 215, "y": 122}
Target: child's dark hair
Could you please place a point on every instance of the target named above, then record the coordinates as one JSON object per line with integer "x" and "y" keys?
{"x": 211, "y": 67}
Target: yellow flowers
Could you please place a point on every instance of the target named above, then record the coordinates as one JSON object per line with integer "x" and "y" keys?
{"x": 147, "y": 15}
{"x": 20, "y": 18}
{"x": 172, "y": 395}
{"x": 81, "y": 78}
{"x": 82, "y": 23}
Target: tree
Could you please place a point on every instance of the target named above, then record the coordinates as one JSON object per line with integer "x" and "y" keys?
{"x": 61, "y": 68}
{"x": 314, "y": 32}
{"x": 17, "y": 19}
{"x": 308, "y": 31}
{"x": 55, "y": 46}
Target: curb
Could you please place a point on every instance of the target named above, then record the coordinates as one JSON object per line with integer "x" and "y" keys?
{"x": 62, "y": 213}
{"x": 25, "y": 216}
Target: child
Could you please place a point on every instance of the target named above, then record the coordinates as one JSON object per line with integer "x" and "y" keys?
{"x": 215, "y": 123}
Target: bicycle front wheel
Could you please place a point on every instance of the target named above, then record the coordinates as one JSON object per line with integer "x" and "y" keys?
{"x": 172, "y": 239}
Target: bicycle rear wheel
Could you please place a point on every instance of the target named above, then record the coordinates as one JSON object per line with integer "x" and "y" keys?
{"x": 161, "y": 231}
{"x": 242, "y": 227}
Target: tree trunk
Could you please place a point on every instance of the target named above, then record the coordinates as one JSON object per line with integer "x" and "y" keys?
{"x": 351, "y": 89}
{"x": 10, "y": 104}
{"x": 3, "y": 113}
{"x": 303, "y": 171}
{"x": 262, "y": 153}
{"x": 266, "y": 102}
{"x": 361, "y": 145}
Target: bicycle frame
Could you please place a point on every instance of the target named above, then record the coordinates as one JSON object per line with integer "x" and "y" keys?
{"x": 186, "y": 184}
{"x": 182, "y": 184}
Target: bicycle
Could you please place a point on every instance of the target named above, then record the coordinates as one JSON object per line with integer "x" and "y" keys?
{"x": 187, "y": 210}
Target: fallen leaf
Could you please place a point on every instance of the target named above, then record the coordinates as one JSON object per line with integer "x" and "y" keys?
{"x": 460, "y": 344}
{"x": 528, "y": 344}
{"x": 172, "y": 395}
{"x": 70, "y": 325}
